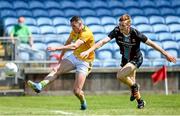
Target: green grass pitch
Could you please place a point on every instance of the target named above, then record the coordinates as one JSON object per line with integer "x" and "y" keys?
{"x": 97, "y": 105}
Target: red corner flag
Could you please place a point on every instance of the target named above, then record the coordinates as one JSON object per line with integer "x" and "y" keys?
{"x": 159, "y": 75}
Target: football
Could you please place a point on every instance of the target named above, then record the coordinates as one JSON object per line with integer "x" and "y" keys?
{"x": 10, "y": 69}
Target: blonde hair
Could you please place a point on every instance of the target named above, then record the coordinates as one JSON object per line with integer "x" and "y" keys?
{"x": 125, "y": 17}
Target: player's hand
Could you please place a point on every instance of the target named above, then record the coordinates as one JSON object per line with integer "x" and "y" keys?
{"x": 84, "y": 54}
{"x": 170, "y": 58}
{"x": 51, "y": 49}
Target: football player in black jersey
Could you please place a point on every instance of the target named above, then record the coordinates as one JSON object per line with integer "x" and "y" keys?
{"x": 129, "y": 40}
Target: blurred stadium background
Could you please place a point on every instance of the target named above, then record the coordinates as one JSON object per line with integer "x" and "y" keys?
{"x": 48, "y": 21}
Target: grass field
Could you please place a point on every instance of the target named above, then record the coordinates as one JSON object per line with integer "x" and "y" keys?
{"x": 97, "y": 105}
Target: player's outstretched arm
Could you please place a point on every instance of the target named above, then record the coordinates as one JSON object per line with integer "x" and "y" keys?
{"x": 71, "y": 46}
{"x": 158, "y": 48}
{"x": 100, "y": 43}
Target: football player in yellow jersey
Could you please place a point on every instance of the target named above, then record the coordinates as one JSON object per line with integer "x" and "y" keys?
{"x": 80, "y": 39}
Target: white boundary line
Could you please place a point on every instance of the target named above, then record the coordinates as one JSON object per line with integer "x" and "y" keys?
{"x": 61, "y": 112}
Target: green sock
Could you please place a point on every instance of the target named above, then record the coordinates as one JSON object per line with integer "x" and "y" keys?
{"x": 83, "y": 101}
{"x": 44, "y": 83}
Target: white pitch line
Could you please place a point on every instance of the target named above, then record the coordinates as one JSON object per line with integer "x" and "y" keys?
{"x": 61, "y": 112}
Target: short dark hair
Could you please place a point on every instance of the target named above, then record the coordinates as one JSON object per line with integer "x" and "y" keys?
{"x": 75, "y": 18}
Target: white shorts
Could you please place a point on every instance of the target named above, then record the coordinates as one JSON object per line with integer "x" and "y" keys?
{"x": 80, "y": 65}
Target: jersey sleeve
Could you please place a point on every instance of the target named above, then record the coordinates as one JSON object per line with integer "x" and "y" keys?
{"x": 112, "y": 34}
{"x": 141, "y": 36}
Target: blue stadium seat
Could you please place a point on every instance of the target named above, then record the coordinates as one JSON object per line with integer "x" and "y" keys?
{"x": 62, "y": 29}
{"x": 20, "y": 4}
{"x": 172, "y": 20}
{"x": 140, "y": 20}
{"x": 97, "y": 63}
{"x": 47, "y": 29}
{"x": 146, "y": 63}
{"x": 131, "y": 4}
{"x": 103, "y": 12}
{"x": 143, "y": 47}
{"x": 24, "y": 56}
{"x": 92, "y": 21}
{"x": 175, "y": 3}
{"x": 51, "y": 38}
{"x": 147, "y": 4}
{"x": 5, "y": 5}
{"x": 8, "y": 30}
{"x": 152, "y": 36}
{"x": 99, "y": 36}
{"x": 177, "y": 11}
{"x": 30, "y": 21}
{"x": 87, "y": 12}
{"x": 163, "y": 3}
{"x": 153, "y": 54}
{"x": 109, "y": 28}
{"x": 156, "y": 20}
{"x": 68, "y": 4}
{"x": 151, "y": 11}
{"x": 107, "y": 20}
{"x": 104, "y": 55}
{"x": 51, "y": 4}
{"x": 83, "y": 4}
{"x": 38, "y": 38}
{"x": 97, "y": 29}
{"x": 159, "y": 28}
{"x": 144, "y": 28}
{"x": 174, "y": 28}
{"x": 115, "y": 4}
{"x": 99, "y": 4}
{"x": 135, "y": 12}
{"x": 40, "y": 13}
{"x": 118, "y": 12}
{"x": 159, "y": 62}
{"x": 41, "y": 21}
{"x": 106, "y": 47}
{"x": 56, "y": 13}
{"x": 24, "y": 13}
{"x": 110, "y": 63}
{"x": 34, "y": 29}
{"x": 71, "y": 12}
{"x": 60, "y": 21}
{"x": 167, "y": 45}
{"x": 8, "y": 13}
{"x": 9, "y": 21}
{"x": 117, "y": 55}
{"x": 40, "y": 46}
{"x": 36, "y": 4}
{"x": 54, "y": 44}
{"x": 165, "y": 37}
{"x": 115, "y": 46}
{"x": 177, "y": 37}
{"x": 40, "y": 55}
{"x": 167, "y": 11}
{"x": 143, "y": 53}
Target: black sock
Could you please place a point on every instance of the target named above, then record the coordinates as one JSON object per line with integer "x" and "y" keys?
{"x": 139, "y": 100}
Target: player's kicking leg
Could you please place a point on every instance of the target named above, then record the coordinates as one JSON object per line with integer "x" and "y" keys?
{"x": 64, "y": 66}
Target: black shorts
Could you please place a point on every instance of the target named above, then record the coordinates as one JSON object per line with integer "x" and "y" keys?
{"x": 137, "y": 61}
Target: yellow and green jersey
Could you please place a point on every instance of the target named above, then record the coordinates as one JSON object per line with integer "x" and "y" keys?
{"x": 87, "y": 36}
